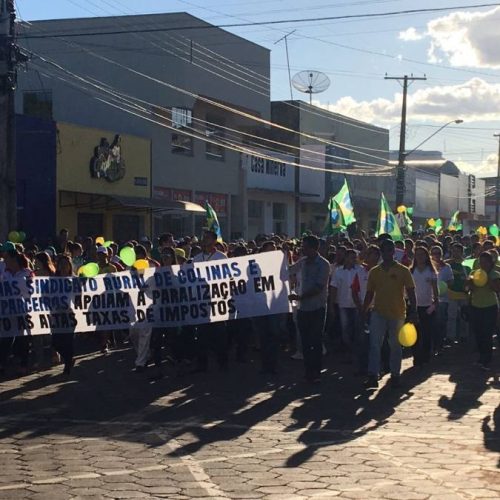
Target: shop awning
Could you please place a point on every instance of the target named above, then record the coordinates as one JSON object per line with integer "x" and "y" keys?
{"x": 98, "y": 201}
{"x": 158, "y": 205}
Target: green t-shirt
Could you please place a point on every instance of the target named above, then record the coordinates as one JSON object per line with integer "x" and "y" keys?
{"x": 485, "y": 296}
{"x": 459, "y": 277}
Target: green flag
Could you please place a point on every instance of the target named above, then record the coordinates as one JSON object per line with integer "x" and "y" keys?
{"x": 213, "y": 221}
{"x": 408, "y": 222}
{"x": 335, "y": 218}
{"x": 455, "y": 224}
{"x": 387, "y": 223}
{"x": 343, "y": 198}
{"x": 439, "y": 226}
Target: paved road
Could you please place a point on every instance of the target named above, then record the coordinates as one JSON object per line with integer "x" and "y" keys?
{"x": 109, "y": 433}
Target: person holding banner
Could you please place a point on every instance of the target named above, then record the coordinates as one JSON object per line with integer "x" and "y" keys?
{"x": 105, "y": 267}
{"x": 63, "y": 343}
{"x": 314, "y": 276}
{"x": 214, "y": 334}
{"x": 44, "y": 267}
{"x": 269, "y": 330}
{"x": 18, "y": 268}
{"x": 140, "y": 337}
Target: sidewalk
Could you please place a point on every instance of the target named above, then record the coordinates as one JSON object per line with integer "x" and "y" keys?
{"x": 109, "y": 433}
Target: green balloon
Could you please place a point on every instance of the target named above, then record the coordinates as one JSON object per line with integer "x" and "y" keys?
{"x": 107, "y": 243}
{"x": 14, "y": 237}
{"x": 409, "y": 210}
{"x": 442, "y": 287}
{"x": 90, "y": 270}
{"x": 494, "y": 230}
{"x": 22, "y": 236}
{"x": 127, "y": 256}
{"x": 469, "y": 263}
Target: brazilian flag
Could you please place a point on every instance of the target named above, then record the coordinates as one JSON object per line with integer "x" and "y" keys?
{"x": 213, "y": 221}
{"x": 343, "y": 198}
{"x": 387, "y": 223}
{"x": 455, "y": 224}
{"x": 335, "y": 220}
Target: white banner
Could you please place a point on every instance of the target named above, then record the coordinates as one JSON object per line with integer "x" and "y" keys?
{"x": 193, "y": 294}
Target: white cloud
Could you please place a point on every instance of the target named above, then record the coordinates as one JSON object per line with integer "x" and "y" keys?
{"x": 462, "y": 38}
{"x": 486, "y": 168}
{"x": 474, "y": 100}
{"x": 411, "y": 35}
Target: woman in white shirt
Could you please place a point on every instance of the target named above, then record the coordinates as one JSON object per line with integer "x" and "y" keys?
{"x": 445, "y": 279}
{"x": 425, "y": 278}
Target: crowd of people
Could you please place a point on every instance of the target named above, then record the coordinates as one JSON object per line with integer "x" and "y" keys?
{"x": 351, "y": 294}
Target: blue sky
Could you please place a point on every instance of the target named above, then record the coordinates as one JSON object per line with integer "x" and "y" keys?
{"x": 457, "y": 50}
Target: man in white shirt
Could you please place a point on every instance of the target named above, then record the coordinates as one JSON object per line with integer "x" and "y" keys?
{"x": 210, "y": 335}
{"x": 341, "y": 292}
{"x": 209, "y": 252}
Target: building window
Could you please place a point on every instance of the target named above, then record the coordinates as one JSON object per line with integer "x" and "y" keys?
{"x": 182, "y": 144}
{"x": 215, "y": 132}
{"x": 127, "y": 226}
{"x": 255, "y": 209}
{"x": 38, "y": 104}
{"x": 182, "y": 119}
{"x": 90, "y": 224}
{"x": 279, "y": 218}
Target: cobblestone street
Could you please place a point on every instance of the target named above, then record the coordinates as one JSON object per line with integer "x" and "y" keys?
{"x": 109, "y": 433}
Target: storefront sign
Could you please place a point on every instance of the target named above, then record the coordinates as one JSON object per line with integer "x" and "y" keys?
{"x": 107, "y": 162}
{"x": 217, "y": 201}
{"x": 194, "y": 294}
{"x": 170, "y": 194}
{"x": 264, "y": 173}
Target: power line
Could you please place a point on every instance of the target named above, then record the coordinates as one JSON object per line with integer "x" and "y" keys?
{"x": 271, "y": 22}
{"x": 103, "y": 87}
{"x": 201, "y": 98}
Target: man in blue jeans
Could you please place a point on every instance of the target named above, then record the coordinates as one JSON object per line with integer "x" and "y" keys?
{"x": 386, "y": 288}
{"x": 314, "y": 276}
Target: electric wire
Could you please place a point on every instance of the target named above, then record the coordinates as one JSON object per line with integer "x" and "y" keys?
{"x": 138, "y": 112}
{"x": 116, "y": 94}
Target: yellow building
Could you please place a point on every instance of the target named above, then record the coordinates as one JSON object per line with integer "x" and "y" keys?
{"x": 103, "y": 183}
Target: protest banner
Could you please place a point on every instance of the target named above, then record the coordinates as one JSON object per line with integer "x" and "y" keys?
{"x": 191, "y": 294}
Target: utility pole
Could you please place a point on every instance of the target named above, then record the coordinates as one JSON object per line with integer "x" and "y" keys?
{"x": 400, "y": 169}
{"x": 9, "y": 55}
{"x": 497, "y": 185}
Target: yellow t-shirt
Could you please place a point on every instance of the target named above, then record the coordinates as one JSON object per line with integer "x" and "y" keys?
{"x": 389, "y": 288}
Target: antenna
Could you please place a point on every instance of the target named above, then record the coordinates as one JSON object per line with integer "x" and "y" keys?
{"x": 310, "y": 82}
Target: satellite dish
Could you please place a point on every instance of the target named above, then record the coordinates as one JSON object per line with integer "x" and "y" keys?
{"x": 311, "y": 82}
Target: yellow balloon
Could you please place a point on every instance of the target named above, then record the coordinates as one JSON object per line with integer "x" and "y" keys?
{"x": 99, "y": 240}
{"x": 141, "y": 264}
{"x": 407, "y": 335}
{"x": 401, "y": 209}
{"x": 431, "y": 222}
{"x": 479, "y": 278}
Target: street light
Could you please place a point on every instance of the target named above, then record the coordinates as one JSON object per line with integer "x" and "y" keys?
{"x": 406, "y": 154}
{"x": 403, "y": 155}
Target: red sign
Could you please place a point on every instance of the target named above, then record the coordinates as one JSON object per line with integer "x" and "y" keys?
{"x": 170, "y": 194}
{"x": 217, "y": 201}
{"x": 181, "y": 195}
{"x": 162, "y": 192}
